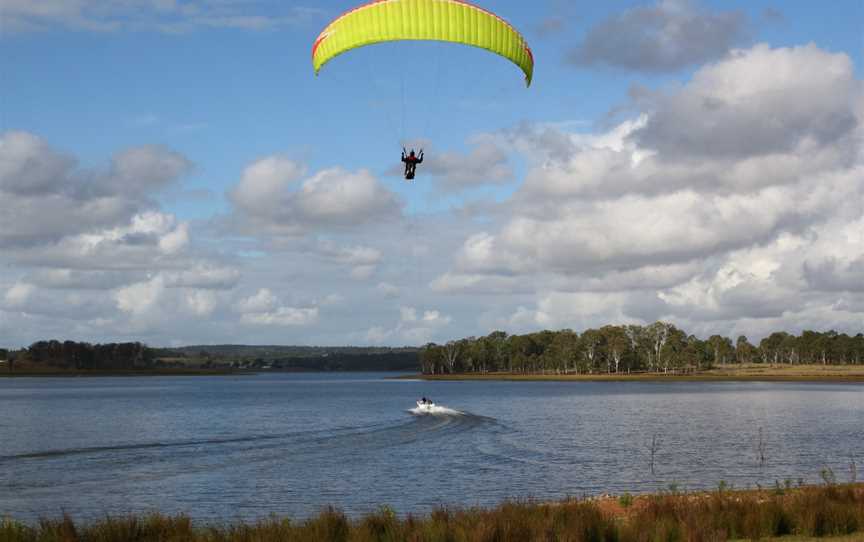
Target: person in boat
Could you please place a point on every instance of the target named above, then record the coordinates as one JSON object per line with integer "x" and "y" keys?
{"x": 411, "y": 161}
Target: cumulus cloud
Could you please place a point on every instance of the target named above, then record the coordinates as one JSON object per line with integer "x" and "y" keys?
{"x": 283, "y": 316}
{"x": 265, "y": 309}
{"x": 262, "y": 301}
{"x": 29, "y": 166}
{"x": 201, "y": 303}
{"x": 88, "y": 253}
{"x": 758, "y": 102}
{"x": 151, "y": 239}
{"x": 46, "y": 198}
{"x": 665, "y": 37}
{"x": 486, "y": 163}
{"x": 143, "y": 169}
{"x": 141, "y": 297}
{"x": 166, "y": 16}
{"x": 362, "y": 260}
{"x": 647, "y": 221}
{"x": 275, "y": 198}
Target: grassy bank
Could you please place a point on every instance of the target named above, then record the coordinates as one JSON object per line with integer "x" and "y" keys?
{"x": 729, "y": 373}
{"x": 805, "y": 513}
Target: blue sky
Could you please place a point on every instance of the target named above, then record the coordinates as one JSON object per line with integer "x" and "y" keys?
{"x": 222, "y": 86}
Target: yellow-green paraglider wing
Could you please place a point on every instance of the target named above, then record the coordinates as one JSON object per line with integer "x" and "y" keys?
{"x": 438, "y": 20}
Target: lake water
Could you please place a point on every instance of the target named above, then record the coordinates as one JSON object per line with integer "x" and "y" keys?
{"x": 248, "y": 446}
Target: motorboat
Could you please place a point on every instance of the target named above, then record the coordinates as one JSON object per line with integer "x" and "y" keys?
{"x": 425, "y": 405}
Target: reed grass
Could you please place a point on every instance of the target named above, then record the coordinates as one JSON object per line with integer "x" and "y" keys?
{"x": 808, "y": 512}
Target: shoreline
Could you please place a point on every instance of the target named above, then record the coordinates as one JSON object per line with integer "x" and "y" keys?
{"x": 850, "y": 374}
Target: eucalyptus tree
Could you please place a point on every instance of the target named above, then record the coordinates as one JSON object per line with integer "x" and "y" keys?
{"x": 617, "y": 344}
{"x": 590, "y": 344}
{"x": 745, "y": 352}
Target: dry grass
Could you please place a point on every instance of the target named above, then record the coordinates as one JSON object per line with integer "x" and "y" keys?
{"x": 824, "y": 511}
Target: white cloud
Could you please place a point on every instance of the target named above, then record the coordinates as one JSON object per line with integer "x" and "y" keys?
{"x": 350, "y": 255}
{"x": 283, "y": 316}
{"x": 274, "y": 201}
{"x": 337, "y": 197}
{"x": 46, "y": 199}
{"x": 486, "y": 164}
{"x": 140, "y": 298}
{"x": 264, "y": 309}
{"x": 646, "y": 221}
{"x": 201, "y": 303}
{"x": 363, "y": 260}
{"x": 143, "y": 169}
{"x": 722, "y": 112}
{"x": 262, "y": 301}
{"x": 264, "y": 183}
{"x": 29, "y": 166}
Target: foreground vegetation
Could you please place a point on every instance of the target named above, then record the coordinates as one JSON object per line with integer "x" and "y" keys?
{"x": 807, "y": 512}
{"x": 657, "y": 348}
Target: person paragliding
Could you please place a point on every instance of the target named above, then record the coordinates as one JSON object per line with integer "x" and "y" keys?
{"x": 411, "y": 160}
{"x": 453, "y": 21}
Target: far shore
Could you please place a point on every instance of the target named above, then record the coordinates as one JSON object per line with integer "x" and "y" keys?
{"x": 137, "y": 372}
{"x": 729, "y": 373}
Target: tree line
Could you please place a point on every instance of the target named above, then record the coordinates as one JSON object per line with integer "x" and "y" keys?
{"x": 659, "y": 347}
{"x": 71, "y": 355}
{"x": 82, "y": 355}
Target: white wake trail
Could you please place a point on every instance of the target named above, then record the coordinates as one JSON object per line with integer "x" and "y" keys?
{"x": 435, "y": 410}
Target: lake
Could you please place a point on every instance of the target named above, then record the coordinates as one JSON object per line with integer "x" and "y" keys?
{"x": 249, "y": 446}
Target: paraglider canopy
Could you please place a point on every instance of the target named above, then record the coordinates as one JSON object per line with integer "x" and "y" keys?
{"x": 454, "y": 21}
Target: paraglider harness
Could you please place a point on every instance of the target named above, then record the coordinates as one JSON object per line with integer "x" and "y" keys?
{"x": 411, "y": 162}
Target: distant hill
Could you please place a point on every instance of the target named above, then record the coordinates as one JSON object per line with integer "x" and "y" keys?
{"x": 293, "y": 358}
{"x": 243, "y": 350}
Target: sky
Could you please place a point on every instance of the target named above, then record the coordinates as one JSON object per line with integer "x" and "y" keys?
{"x": 173, "y": 172}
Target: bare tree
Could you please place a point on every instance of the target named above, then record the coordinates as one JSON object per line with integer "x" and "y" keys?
{"x": 655, "y": 446}
{"x": 451, "y": 354}
{"x": 760, "y": 449}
